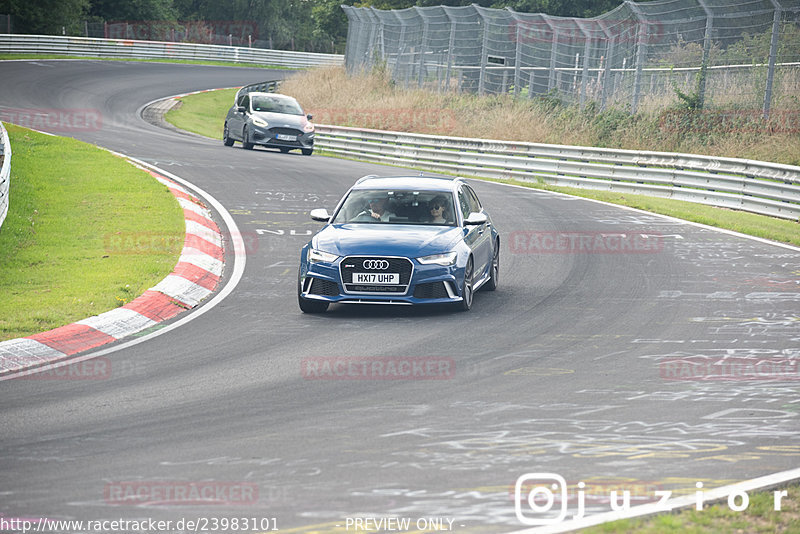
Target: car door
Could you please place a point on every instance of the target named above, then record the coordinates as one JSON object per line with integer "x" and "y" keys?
{"x": 477, "y": 237}
{"x": 238, "y": 118}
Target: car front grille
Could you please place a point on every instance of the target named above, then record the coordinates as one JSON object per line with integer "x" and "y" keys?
{"x": 286, "y": 131}
{"x": 355, "y": 264}
{"x": 432, "y": 290}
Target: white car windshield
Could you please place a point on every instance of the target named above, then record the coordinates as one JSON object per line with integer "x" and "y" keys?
{"x": 397, "y": 207}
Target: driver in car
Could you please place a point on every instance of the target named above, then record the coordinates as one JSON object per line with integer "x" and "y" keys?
{"x": 377, "y": 210}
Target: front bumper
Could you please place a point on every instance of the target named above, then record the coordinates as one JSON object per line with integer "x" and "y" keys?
{"x": 269, "y": 137}
{"x": 429, "y": 284}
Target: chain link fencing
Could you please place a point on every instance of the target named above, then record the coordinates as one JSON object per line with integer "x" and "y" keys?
{"x": 703, "y": 54}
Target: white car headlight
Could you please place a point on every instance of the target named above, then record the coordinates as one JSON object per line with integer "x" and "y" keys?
{"x": 308, "y": 128}
{"x": 260, "y": 122}
{"x": 316, "y": 256}
{"x": 448, "y": 258}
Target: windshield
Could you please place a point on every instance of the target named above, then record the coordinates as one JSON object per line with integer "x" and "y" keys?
{"x": 272, "y": 104}
{"x": 397, "y": 207}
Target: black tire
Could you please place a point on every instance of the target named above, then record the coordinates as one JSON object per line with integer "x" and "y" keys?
{"x": 227, "y": 140}
{"x": 310, "y": 306}
{"x": 307, "y": 151}
{"x": 246, "y": 144}
{"x": 468, "y": 288}
{"x": 284, "y": 150}
{"x": 494, "y": 273}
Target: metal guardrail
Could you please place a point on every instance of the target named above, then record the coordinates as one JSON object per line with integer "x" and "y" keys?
{"x": 760, "y": 187}
{"x": 125, "y": 48}
{"x": 5, "y": 172}
{"x": 261, "y": 87}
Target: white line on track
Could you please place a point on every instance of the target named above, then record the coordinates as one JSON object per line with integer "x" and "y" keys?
{"x": 709, "y": 496}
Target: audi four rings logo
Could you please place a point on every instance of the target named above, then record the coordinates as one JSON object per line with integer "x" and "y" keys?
{"x": 376, "y": 265}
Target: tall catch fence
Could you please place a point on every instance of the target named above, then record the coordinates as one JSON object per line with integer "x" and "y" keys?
{"x": 642, "y": 55}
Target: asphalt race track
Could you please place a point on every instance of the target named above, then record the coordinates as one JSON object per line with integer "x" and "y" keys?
{"x": 617, "y": 356}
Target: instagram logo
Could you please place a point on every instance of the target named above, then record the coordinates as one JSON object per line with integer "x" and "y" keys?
{"x": 539, "y": 490}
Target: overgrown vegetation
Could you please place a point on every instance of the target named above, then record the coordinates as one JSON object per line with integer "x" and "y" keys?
{"x": 760, "y": 517}
{"x": 373, "y": 101}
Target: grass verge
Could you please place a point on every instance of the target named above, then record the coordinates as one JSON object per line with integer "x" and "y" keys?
{"x": 760, "y": 517}
{"x": 781, "y": 230}
{"x": 203, "y": 113}
{"x": 86, "y": 232}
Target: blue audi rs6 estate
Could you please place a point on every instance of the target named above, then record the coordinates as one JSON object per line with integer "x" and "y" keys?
{"x": 400, "y": 240}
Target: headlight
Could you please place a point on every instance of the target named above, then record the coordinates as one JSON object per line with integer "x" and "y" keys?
{"x": 308, "y": 128}
{"x": 448, "y": 258}
{"x": 260, "y": 122}
{"x": 316, "y": 256}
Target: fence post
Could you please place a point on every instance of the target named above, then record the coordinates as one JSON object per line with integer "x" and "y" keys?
{"x": 450, "y": 46}
{"x": 374, "y": 27}
{"x": 422, "y": 47}
{"x": 400, "y": 47}
{"x": 773, "y": 53}
{"x": 517, "y": 54}
{"x": 484, "y": 53}
{"x": 585, "y": 70}
{"x": 551, "y": 81}
{"x": 641, "y": 54}
{"x": 605, "y": 81}
{"x": 701, "y": 88}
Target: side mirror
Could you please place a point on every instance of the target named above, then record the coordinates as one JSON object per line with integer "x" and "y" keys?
{"x": 320, "y": 215}
{"x": 476, "y": 219}
{"x": 309, "y": 116}
{"x": 240, "y": 109}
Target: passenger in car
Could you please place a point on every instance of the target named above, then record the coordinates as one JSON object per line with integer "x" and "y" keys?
{"x": 437, "y": 210}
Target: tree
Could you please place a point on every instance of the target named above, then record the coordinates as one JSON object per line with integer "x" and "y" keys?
{"x": 134, "y": 10}
{"x": 47, "y": 16}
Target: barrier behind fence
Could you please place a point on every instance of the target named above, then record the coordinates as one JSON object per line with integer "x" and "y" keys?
{"x": 123, "y": 48}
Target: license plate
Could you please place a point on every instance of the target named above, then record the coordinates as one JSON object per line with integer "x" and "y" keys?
{"x": 284, "y": 137}
{"x": 385, "y": 279}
